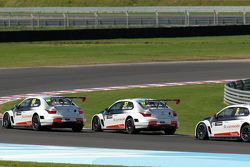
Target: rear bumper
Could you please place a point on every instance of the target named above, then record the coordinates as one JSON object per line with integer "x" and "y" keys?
{"x": 156, "y": 125}
{"x": 65, "y": 124}
{"x": 61, "y": 123}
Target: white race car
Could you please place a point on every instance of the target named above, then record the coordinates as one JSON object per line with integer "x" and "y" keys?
{"x": 231, "y": 122}
{"x": 45, "y": 112}
{"x": 134, "y": 115}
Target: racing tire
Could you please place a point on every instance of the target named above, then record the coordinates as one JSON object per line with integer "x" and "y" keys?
{"x": 6, "y": 121}
{"x": 96, "y": 124}
{"x": 201, "y": 132}
{"x": 130, "y": 127}
{"x": 170, "y": 130}
{"x": 77, "y": 128}
{"x": 36, "y": 125}
{"x": 245, "y": 133}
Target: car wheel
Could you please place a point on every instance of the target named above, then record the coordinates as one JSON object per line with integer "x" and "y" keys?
{"x": 36, "y": 125}
{"x": 130, "y": 127}
{"x": 96, "y": 124}
{"x": 170, "y": 130}
{"x": 201, "y": 132}
{"x": 6, "y": 121}
{"x": 77, "y": 128}
{"x": 245, "y": 133}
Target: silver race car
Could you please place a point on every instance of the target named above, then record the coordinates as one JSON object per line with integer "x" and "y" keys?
{"x": 46, "y": 112}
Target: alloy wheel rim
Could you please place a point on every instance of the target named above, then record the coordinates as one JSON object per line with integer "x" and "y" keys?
{"x": 245, "y": 134}
{"x": 5, "y": 121}
{"x": 95, "y": 123}
{"x": 129, "y": 125}
{"x": 201, "y": 131}
{"x": 35, "y": 122}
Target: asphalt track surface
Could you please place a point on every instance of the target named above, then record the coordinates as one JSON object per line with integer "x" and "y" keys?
{"x": 16, "y": 81}
{"x": 32, "y": 80}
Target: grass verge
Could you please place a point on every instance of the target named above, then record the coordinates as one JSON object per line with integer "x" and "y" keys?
{"x": 197, "y": 102}
{"x": 123, "y": 51}
{"x": 36, "y": 164}
{"x": 86, "y": 3}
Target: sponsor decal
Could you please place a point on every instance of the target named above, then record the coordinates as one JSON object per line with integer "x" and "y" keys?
{"x": 26, "y": 116}
{"x": 231, "y": 126}
{"x": 119, "y": 119}
{"x": 218, "y": 124}
{"x": 109, "y": 117}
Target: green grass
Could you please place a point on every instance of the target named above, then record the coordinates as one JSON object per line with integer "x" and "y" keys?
{"x": 85, "y": 3}
{"x": 35, "y": 164}
{"x": 197, "y": 102}
{"x": 123, "y": 51}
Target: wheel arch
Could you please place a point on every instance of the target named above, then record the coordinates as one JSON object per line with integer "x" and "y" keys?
{"x": 96, "y": 115}
{"x": 129, "y": 116}
{"x": 11, "y": 116}
{"x": 207, "y": 123}
{"x": 245, "y": 123}
{"x": 35, "y": 114}
{"x": 8, "y": 112}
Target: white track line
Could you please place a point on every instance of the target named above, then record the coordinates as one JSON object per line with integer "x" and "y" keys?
{"x": 6, "y": 99}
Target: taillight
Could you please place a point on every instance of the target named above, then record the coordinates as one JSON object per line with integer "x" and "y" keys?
{"x": 81, "y": 111}
{"x": 57, "y": 120}
{"x": 146, "y": 114}
{"x": 79, "y": 120}
{"x": 174, "y": 113}
{"x": 152, "y": 123}
{"x": 51, "y": 111}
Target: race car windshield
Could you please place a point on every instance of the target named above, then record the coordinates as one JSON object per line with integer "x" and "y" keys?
{"x": 54, "y": 101}
{"x": 152, "y": 104}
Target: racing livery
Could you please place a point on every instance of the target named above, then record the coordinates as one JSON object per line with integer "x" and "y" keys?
{"x": 134, "y": 115}
{"x": 45, "y": 112}
{"x": 232, "y": 122}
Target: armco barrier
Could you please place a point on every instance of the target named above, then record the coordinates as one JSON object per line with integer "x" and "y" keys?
{"x": 25, "y": 36}
{"x": 237, "y": 92}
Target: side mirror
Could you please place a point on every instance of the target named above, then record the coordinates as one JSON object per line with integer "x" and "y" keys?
{"x": 15, "y": 107}
{"x": 215, "y": 116}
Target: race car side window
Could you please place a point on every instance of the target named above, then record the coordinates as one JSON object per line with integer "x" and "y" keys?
{"x": 127, "y": 105}
{"x": 35, "y": 103}
{"x": 225, "y": 114}
{"x": 241, "y": 112}
{"x": 116, "y": 106}
{"x": 25, "y": 105}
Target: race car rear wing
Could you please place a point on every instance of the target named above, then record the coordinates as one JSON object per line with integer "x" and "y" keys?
{"x": 177, "y": 101}
{"x": 68, "y": 97}
{"x": 83, "y": 98}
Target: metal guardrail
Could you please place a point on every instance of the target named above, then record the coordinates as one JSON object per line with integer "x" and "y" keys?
{"x": 142, "y": 9}
{"x": 123, "y": 17}
{"x": 237, "y": 92}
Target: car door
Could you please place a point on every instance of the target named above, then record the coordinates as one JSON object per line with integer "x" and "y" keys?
{"x": 20, "y": 111}
{"x": 120, "y": 117}
{"x": 233, "y": 126}
{"x": 221, "y": 121}
{"x": 31, "y": 109}
{"x": 110, "y": 116}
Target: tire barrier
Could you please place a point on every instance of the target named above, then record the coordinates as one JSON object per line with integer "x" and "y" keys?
{"x": 237, "y": 92}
